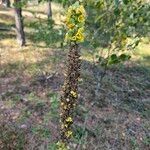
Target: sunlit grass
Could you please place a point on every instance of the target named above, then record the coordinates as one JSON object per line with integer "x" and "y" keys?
{"x": 42, "y": 7}
{"x": 142, "y": 53}
{"x": 40, "y": 11}
{"x": 143, "y": 49}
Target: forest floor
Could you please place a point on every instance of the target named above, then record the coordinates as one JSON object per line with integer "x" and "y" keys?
{"x": 114, "y": 118}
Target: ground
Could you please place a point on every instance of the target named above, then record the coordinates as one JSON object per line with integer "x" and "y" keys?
{"x": 112, "y": 117}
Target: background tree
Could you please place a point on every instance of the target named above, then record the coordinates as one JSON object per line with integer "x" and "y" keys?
{"x": 49, "y": 9}
{"x": 19, "y": 22}
{"x": 6, "y": 3}
{"x": 116, "y": 28}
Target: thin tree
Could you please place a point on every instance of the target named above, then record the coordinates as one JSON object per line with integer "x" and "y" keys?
{"x": 19, "y": 23}
{"x": 49, "y": 9}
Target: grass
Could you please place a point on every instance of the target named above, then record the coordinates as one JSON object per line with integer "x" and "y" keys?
{"x": 143, "y": 53}
{"x": 31, "y": 78}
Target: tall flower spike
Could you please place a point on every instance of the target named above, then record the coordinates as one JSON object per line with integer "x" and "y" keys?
{"x": 75, "y": 21}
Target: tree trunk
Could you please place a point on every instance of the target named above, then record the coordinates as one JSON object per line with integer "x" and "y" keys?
{"x": 19, "y": 24}
{"x": 49, "y": 9}
{"x": 6, "y": 3}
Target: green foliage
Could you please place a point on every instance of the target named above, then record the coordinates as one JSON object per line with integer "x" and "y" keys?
{"x": 125, "y": 1}
{"x": 114, "y": 59}
{"x": 115, "y": 27}
{"x": 54, "y": 102}
{"x": 42, "y": 132}
{"x": 80, "y": 133}
{"x": 146, "y": 140}
{"x": 46, "y": 32}
{"x": 20, "y": 4}
{"x": 53, "y": 113}
{"x": 52, "y": 146}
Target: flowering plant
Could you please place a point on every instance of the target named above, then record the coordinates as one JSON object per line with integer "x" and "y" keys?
{"x": 75, "y": 21}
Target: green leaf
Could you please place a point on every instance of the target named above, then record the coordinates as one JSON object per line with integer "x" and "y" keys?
{"x": 116, "y": 3}
{"x": 116, "y": 11}
{"x": 124, "y": 57}
{"x": 76, "y": 4}
{"x": 113, "y": 59}
{"x": 125, "y": 2}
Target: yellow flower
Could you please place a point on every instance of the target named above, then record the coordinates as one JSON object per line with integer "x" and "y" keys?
{"x": 68, "y": 133}
{"x": 61, "y": 146}
{"x": 81, "y": 10}
{"x": 70, "y": 9}
{"x": 74, "y": 13}
{"x": 74, "y": 94}
{"x": 69, "y": 119}
{"x": 70, "y": 26}
{"x": 80, "y": 37}
{"x": 81, "y": 30}
{"x": 68, "y": 17}
{"x": 81, "y": 19}
{"x": 64, "y": 126}
{"x": 69, "y": 13}
{"x": 73, "y": 38}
